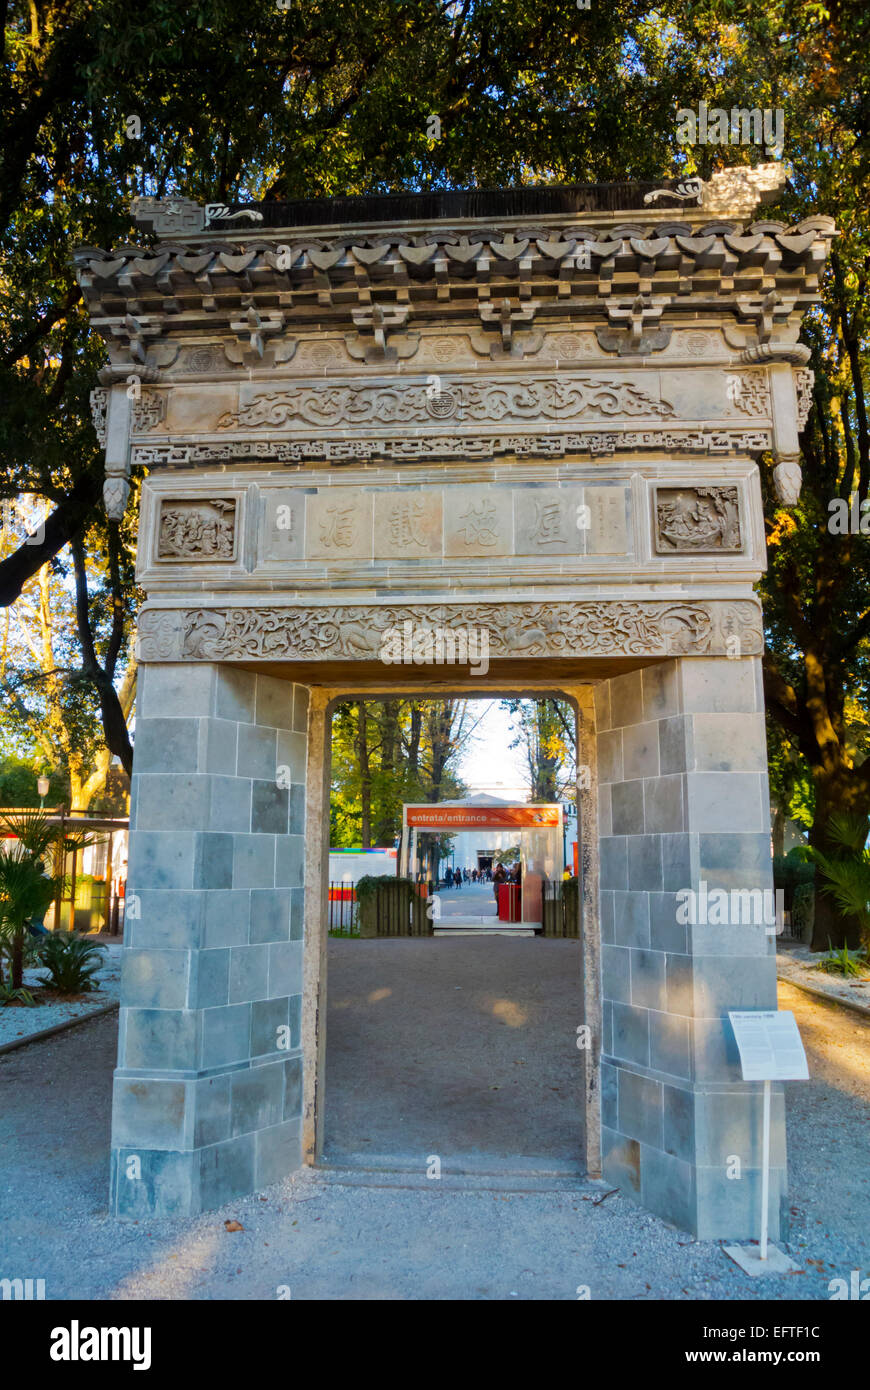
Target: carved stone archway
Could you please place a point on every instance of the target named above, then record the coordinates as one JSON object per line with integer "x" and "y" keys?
{"x": 532, "y": 419}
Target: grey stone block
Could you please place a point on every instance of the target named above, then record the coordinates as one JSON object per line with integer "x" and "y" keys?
{"x": 171, "y": 802}
{"x": 605, "y": 814}
{"x": 647, "y": 978}
{"x": 149, "y": 1111}
{"x": 285, "y": 968}
{"x": 289, "y": 861}
{"x": 230, "y": 804}
{"x": 279, "y": 1152}
{"x": 292, "y": 753}
{"x": 729, "y": 743}
{"x": 665, "y": 932}
{"x": 608, "y": 1095}
{"x": 168, "y": 1186}
{"x": 249, "y": 973}
{"x": 294, "y": 1011}
{"x": 257, "y": 753}
{"x": 167, "y": 745}
{"x": 722, "y": 801}
{"x": 675, "y": 745}
{"x": 711, "y": 685}
{"x": 729, "y": 1125}
{"x": 616, "y": 973}
{"x": 735, "y": 939}
{"x": 645, "y": 863}
{"x": 630, "y": 1035}
{"x": 154, "y": 979}
{"x": 680, "y": 993}
{"x": 640, "y": 751}
{"x": 613, "y": 862}
{"x": 212, "y": 1109}
{"x": 167, "y": 918}
{"x": 620, "y": 1162}
{"x": 670, "y": 1044}
{"x": 270, "y": 809}
{"x": 678, "y": 855}
{"x": 213, "y": 867}
{"x": 292, "y": 1087}
{"x": 274, "y": 702}
{"x": 297, "y": 810}
{"x": 668, "y": 1188}
{"x": 626, "y": 800}
{"x": 610, "y": 756}
{"x": 209, "y": 982}
{"x": 270, "y": 914}
{"x": 161, "y": 1039}
{"x": 631, "y": 919}
{"x": 663, "y": 805}
{"x": 267, "y": 1016}
{"x": 161, "y": 860}
{"x": 626, "y": 700}
{"x": 253, "y": 861}
{"x": 257, "y": 1098}
{"x": 679, "y": 1122}
{"x": 178, "y": 690}
{"x": 730, "y": 1208}
{"x": 601, "y": 702}
{"x": 733, "y": 982}
{"x": 227, "y": 918}
{"x": 218, "y": 746}
{"x": 714, "y": 1051}
{"x": 236, "y": 694}
{"x": 606, "y": 1028}
{"x": 227, "y": 1171}
{"x": 661, "y": 691}
{"x": 225, "y": 1035}
{"x": 734, "y": 860}
{"x": 640, "y": 1108}
{"x": 300, "y": 709}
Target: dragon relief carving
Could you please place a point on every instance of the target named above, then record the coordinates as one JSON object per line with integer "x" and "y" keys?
{"x": 554, "y": 399}
{"x": 697, "y": 518}
{"x": 356, "y": 632}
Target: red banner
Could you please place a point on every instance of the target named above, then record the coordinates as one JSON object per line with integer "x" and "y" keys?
{"x": 483, "y": 817}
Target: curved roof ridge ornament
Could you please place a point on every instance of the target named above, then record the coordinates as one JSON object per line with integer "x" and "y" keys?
{"x": 688, "y": 190}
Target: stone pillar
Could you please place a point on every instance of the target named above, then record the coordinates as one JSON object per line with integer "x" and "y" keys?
{"x": 684, "y": 801}
{"x": 208, "y": 1088}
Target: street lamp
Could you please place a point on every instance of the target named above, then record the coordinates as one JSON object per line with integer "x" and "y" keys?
{"x": 42, "y": 788}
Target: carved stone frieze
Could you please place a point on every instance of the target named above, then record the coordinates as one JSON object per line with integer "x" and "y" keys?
{"x": 697, "y": 519}
{"x": 99, "y": 399}
{"x": 618, "y": 627}
{"x": 804, "y": 380}
{"x": 748, "y": 392}
{"x": 197, "y": 530}
{"x": 471, "y": 447}
{"x": 552, "y": 399}
{"x": 149, "y": 410}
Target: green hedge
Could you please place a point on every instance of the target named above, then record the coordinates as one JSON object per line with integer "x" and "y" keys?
{"x": 390, "y": 906}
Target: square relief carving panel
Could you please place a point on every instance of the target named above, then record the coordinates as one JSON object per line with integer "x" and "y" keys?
{"x": 197, "y": 529}
{"x": 704, "y": 520}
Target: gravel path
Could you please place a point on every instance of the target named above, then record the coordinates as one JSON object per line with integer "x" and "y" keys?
{"x": 798, "y": 965}
{"x": 19, "y": 1021}
{"x": 335, "y": 1236}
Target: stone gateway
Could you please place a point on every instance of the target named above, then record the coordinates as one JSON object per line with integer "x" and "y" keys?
{"x": 537, "y": 415}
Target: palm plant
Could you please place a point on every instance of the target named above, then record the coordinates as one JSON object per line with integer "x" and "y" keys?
{"x": 847, "y": 874}
{"x": 71, "y": 962}
{"x": 26, "y": 889}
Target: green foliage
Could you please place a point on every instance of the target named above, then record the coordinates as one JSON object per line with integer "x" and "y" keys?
{"x": 846, "y": 868}
{"x": 849, "y": 964}
{"x": 71, "y": 962}
{"x": 10, "y": 994}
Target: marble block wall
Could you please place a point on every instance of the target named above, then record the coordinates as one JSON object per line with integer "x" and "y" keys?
{"x": 683, "y": 801}
{"x": 207, "y": 1092}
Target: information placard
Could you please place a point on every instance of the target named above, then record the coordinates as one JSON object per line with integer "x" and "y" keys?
{"x": 770, "y": 1046}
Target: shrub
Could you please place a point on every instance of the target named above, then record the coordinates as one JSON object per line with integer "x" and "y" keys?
{"x": 71, "y": 962}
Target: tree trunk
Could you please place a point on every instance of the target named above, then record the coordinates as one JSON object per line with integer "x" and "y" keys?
{"x": 17, "y": 963}
{"x": 362, "y": 748}
{"x": 831, "y": 928}
{"x": 778, "y": 833}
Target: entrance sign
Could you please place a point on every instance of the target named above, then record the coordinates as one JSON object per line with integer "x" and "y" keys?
{"x": 770, "y": 1049}
{"x": 482, "y": 817}
{"x": 770, "y": 1046}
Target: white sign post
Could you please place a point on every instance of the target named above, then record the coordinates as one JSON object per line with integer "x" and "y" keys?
{"x": 770, "y": 1049}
